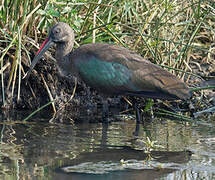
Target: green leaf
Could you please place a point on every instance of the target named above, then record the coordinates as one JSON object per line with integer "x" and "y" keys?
{"x": 41, "y": 12}
{"x": 53, "y": 13}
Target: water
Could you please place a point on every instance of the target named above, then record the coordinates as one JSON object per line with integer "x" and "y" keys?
{"x": 120, "y": 150}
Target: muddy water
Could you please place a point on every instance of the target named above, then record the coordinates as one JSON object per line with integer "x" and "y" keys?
{"x": 120, "y": 150}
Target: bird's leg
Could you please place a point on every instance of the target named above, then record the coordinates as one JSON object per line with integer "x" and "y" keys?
{"x": 137, "y": 128}
{"x": 137, "y": 110}
{"x": 105, "y": 110}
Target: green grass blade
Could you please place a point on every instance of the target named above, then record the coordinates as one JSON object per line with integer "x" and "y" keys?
{"x": 36, "y": 111}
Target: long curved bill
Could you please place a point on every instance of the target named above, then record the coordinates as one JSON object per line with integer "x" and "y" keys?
{"x": 45, "y": 46}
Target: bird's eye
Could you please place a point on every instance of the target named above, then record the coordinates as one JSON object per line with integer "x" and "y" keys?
{"x": 57, "y": 31}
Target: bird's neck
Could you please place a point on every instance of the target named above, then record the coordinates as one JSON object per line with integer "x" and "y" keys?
{"x": 62, "y": 55}
{"x": 63, "y": 49}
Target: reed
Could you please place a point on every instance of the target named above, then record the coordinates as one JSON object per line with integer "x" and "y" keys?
{"x": 173, "y": 34}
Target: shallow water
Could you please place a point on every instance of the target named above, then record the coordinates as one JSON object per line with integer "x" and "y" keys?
{"x": 40, "y": 150}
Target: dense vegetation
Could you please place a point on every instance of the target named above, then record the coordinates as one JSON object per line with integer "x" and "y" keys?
{"x": 178, "y": 35}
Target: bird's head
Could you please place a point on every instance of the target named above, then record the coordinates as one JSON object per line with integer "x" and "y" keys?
{"x": 59, "y": 33}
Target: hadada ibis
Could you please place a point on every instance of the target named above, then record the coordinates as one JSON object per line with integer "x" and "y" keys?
{"x": 111, "y": 69}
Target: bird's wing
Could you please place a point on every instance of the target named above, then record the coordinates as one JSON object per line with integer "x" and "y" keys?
{"x": 157, "y": 81}
{"x": 116, "y": 70}
{"x": 107, "y": 77}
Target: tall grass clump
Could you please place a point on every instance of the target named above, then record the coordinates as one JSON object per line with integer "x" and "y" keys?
{"x": 174, "y": 34}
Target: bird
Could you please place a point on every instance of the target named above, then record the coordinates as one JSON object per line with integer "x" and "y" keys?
{"x": 111, "y": 69}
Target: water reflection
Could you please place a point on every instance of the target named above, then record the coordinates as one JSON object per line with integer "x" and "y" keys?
{"x": 39, "y": 150}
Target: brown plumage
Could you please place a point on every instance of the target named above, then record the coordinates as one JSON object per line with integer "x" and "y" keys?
{"x": 149, "y": 79}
